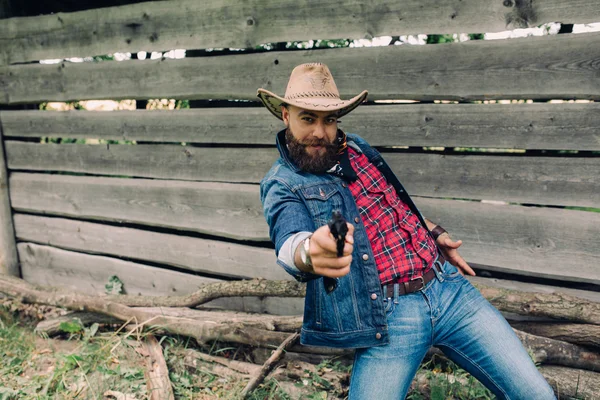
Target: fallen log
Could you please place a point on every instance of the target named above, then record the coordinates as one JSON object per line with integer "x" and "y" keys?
{"x": 580, "y": 334}
{"x": 569, "y": 383}
{"x": 156, "y": 373}
{"x": 556, "y": 352}
{"x": 51, "y": 327}
{"x": 191, "y": 356}
{"x": 269, "y": 365}
{"x": 554, "y": 305}
{"x": 262, "y": 321}
{"x": 202, "y": 331}
{"x": 212, "y": 291}
{"x": 241, "y": 329}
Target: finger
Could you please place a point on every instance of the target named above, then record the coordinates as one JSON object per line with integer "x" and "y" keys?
{"x": 350, "y": 228}
{"x": 349, "y": 239}
{"x": 332, "y": 263}
{"x": 332, "y": 272}
{"x": 454, "y": 245}
{"x": 465, "y": 267}
{"x": 323, "y": 245}
{"x": 348, "y": 249}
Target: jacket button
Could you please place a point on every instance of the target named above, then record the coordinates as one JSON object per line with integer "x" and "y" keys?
{"x": 365, "y": 257}
{"x": 344, "y": 185}
{"x": 378, "y": 336}
{"x": 356, "y": 219}
{"x": 374, "y": 296}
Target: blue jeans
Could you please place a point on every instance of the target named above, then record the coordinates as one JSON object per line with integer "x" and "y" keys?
{"x": 451, "y": 314}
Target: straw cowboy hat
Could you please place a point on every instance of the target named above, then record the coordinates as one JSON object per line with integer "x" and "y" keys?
{"x": 311, "y": 87}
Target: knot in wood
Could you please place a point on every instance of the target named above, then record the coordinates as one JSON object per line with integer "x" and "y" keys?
{"x": 250, "y": 21}
{"x": 508, "y": 3}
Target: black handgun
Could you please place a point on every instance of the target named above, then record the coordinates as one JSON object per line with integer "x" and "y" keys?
{"x": 338, "y": 228}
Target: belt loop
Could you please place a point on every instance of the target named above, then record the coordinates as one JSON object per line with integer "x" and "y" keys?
{"x": 384, "y": 289}
{"x": 437, "y": 272}
{"x": 396, "y": 292}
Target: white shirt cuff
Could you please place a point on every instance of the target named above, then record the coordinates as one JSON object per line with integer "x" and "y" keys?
{"x": 288, "y": 249}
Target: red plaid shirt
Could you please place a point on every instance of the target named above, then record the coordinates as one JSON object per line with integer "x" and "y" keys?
{"x": 402, "y": 248}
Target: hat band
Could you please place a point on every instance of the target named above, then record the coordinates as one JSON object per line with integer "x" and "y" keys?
{"x": 312, "y": 94}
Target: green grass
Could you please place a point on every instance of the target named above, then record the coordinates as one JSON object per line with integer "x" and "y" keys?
{"x": 86, "y": 362}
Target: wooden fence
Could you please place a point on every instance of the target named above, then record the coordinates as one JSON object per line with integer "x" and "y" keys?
{"x": 181, "y": 207}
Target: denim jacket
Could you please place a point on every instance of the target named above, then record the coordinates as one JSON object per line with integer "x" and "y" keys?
{"x": 353, "y": 315}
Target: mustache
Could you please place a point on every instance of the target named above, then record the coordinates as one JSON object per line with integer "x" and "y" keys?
{"x": 316, "y": 142}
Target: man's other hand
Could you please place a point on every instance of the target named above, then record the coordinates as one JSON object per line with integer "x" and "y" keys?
{"x": 323, "y": 253}
{"x": 449, "y": 248}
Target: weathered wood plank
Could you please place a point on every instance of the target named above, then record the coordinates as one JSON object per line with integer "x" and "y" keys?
{"x": 545, "y": 242}
{"x": 532, "y": 241}
{"x": 194, "y": 254}
{"x": 9, "y": 261}
{"x": 536, "y": 180}
{"x": 151, "y": 161}
{"x": 534, "y": 288}
{"x": 198, "y": 255}
{"x": 190, "y": 24}
{"x": 559, "y": 66}
{"x": 519, "y": 126}
{"x": 219, "y": 209}
{"x": 529, "y": 180}
{"x": 45, "y": 265}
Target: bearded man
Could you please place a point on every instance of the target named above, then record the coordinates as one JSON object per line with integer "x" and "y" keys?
{"x": 399, "y": 285}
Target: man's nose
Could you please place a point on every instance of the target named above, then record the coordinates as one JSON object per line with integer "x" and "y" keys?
{"x": 319, "y": 131}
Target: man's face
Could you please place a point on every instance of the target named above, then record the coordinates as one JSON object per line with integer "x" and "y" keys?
{"x": 311, "y": 138}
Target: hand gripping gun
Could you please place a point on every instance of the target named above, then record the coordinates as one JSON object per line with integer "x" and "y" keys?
{"x": 338, "y": 228}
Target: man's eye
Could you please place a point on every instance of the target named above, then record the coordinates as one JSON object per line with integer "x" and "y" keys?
{"x": 307, "y": 119}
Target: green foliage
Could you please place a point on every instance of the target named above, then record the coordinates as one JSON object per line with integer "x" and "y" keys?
{"x": 476, "y": 36}
{"x": 270, "y": 389}
{"x": 114, "y": 285}
{"x": 590, "y": 209}
{"x": 182, "y": 104}
{"x": 106, "y": 57}
{"x": 73, "y": 326}
{"x": 448, "y": 38}
{"x": 450, "y": 382}
{"x": 8, "y": 394}
{"x": 306, "y": 44}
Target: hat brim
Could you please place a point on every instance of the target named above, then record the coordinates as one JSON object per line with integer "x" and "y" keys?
{"x": 341, "y": 107}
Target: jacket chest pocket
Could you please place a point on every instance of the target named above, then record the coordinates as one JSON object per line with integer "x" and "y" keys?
{"x": 321, "y": 200}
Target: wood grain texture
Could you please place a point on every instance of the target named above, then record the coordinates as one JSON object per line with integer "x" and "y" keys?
{"x": 9, "y": 261}
{"x": 558, "y": 66}
{"x": 149, "y": 161}
{"x": 508, "y": 126}
{"x": 217, "y": 23}
{"x": 534, "y": 288}
{"x": 532, "y": 241}
{"x": 519, "y": 179}
{"x": 226, "y": 210}
{"x": 45, "y": 265}
{"x": 157, "y": 373}
{"x": 194, "y": 254}
{"x": 544, "y": 242}
{"x": 50, "y": 266}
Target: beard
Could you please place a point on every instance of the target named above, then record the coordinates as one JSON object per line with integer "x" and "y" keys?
{"x": 317, "y": 163}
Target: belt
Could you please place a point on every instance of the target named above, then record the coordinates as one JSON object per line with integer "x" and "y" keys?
{"x": 415, "y": 284}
